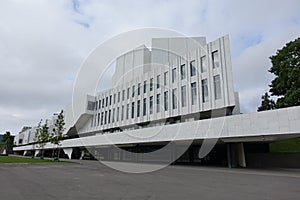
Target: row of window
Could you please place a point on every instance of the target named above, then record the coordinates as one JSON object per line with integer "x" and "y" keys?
{"x": 106, "y": 115}
{"x": 108, "y": 100}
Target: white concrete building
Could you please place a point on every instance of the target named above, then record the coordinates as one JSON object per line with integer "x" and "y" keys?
{"x": 185, "y": 88}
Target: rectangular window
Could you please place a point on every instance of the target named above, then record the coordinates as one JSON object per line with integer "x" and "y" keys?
{"x": 106, "y": 103}
{"x": 204, "y": 90}
{"x": 96, "y": 106}
{"x": 193, "y": 68}
{"x": 139, "y": 89}
{"x": 123, "y": 95}
{"x": 217, "y": 87}
{"x": 133, "y": 90}
{"x": 183, "y": 96}
{"x": 174, "y": 98}
{"x": 138, "y": 108}
{"x": 127, "y": 111}
{"x": 128, "y": 91}
{"x": 158, "y": 81}
{"x": 182, "y": 71}
{"x": 103, "y": 102}
{"x": 145, "y": 86}
{"x": 215, "y": 59}
{"x": 113, "y": 116}
{"x": 109, "y": 115}
{"x": 203, "y": 64}
{"x": 173, "y": 75}
{"x": 122, "y": 113}
{"x": 151, "y": 105}
{"x": 158, "y": 103}
{"x": 102, "y": 118}
{"x": 166, "y": 106}
{"x": 194, "y": 93}
{"x": 144, "y": 106}
{"x": 118, "y": 113}
{"x": 151, "y": 84}
{"x": 132, "y": 110}
{"x": 119, "y": 96}
{"x": 114, "y": 98}
{"x": 110, "y": 97}
{"x": 98, "y": 119}
{"x": 99, "y": 104}
{"x": 105, "y": 118}
{"x": 165, "y": 78}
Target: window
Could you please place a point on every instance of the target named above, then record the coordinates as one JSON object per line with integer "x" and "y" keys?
{"x": 151, "y": 84}
{"x": 138, "y": 108}
{"x": 145, "y": 86}
{"x": 193, "y": 68}
{"x": 194, "y": 93}
{"x": 115, "y": 98}
{"x": 182, "y": 71}
{"x": 123, "y": 95}
{"x": 96, "y": 106}
{"x": 204, "y": 90}
{"x": 132, "y": 110}
{"x": 158, "y": 81}
{"x": 122, "y": 113}
{"x": 90, "y": 105}
{"x": 166, "y": 100}
{"x": 127, "y": 111}
{"x": 103, "y": 102}
{"x": 110, "y": 97}
{"x": 217, "y": 87}
{"x": 133, "y": 90}
{"x": 174, "y": 98}
{"x": 113, "y": 116}
{"x": 151, "y": 105}
{"x": 99, "y": 104}
{"x": 102, "y": 118}
{"x": 215, "y": 59}
{"x": 173, "y": 75}
{"x": 203, "y": 64}
{"x": 109, "y": 115}
{"x": 105, "y": 118}
{"x": 118, "y": 113}
{"x": 119, "y": 96}
{"x": 183, "y": 96}
{"x": 158, "y": 103}
{"x": 106, "y": 104}
{"x": 144, "y": 106}
{"x": 98, "y": 119}
{"x": 139, "y": 89}
{"x": 165, "y": 78}
{"x": 128, "y": 90}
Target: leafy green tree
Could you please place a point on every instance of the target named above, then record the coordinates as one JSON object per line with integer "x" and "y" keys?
{"x": 7, "y": 142}
{"x": 286, "y": 68}
{"x": 266, "y": 103}
{"x": 58, "y": 131}
{"x": 42, "y": 137}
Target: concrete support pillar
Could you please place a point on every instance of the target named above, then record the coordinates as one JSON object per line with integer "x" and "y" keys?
{"x": 241, "y": 155}
{"x": 236, "y": 155}
{"x": 25, "y": 152}
{"x": 36, "y": 152}
{"x": 68, "y": 151}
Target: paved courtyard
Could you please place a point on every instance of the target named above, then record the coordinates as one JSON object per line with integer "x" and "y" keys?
{"x": 91, "y": 180}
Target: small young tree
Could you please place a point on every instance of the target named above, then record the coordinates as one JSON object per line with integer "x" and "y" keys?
{"x": 58, "y": 131}
{"x": 7, "y": 142}
{"x": 42, "y": 137}
{"x": 266, "y": 103}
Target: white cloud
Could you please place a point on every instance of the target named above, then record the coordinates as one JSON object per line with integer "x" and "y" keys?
{"x": 43, "y": 44}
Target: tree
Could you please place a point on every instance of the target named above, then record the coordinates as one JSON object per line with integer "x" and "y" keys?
{"x": 286, "y": 68}
{"x": 267, "y": 103}
{"x": 7, "y": 142}
{"x": 42, "y": 137}
{"x": 58, "y": 131}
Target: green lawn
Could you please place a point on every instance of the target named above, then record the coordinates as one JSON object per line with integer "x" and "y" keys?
{"x": 15, "y": 159}
{"x": 290, "y": 145}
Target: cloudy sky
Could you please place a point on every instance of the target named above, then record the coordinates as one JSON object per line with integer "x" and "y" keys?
{"x": 44, "y": 42}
